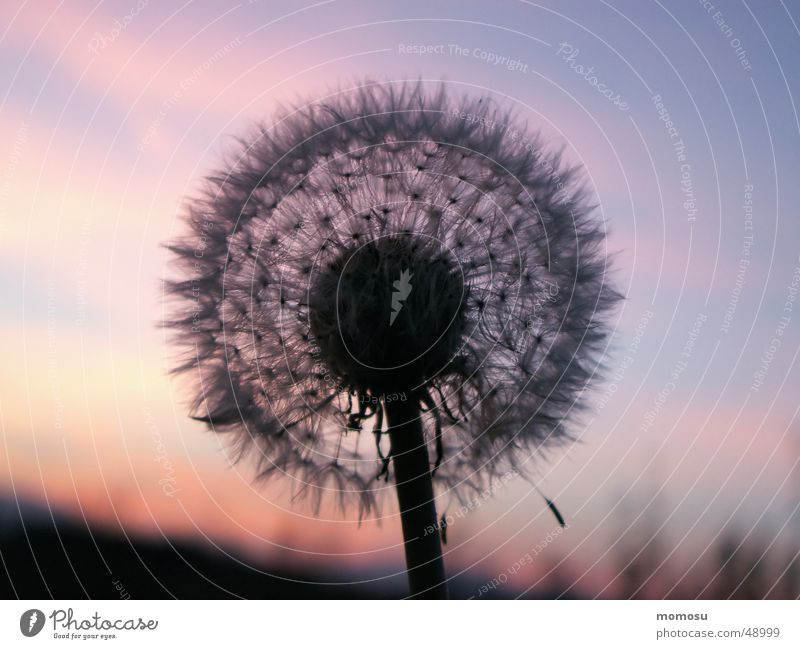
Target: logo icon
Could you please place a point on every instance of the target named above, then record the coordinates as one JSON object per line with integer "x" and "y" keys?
{"x": 402, "y": 289}
{"x": 31, "y": 622}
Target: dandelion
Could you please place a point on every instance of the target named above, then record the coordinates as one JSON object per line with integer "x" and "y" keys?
{"x": 392, "y": 282}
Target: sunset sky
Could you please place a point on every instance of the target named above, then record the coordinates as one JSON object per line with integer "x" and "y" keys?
{"x": 112, "y": 113}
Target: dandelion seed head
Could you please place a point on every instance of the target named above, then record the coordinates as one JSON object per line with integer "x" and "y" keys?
{"x": 286, "y": 306}
{"x": 369, "y": 348}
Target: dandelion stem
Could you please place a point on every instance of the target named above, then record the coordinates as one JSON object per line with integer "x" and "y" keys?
{"x": 423, "y": 546}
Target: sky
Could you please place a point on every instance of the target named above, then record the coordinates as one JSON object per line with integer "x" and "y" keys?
{"x": 684, "y": 116}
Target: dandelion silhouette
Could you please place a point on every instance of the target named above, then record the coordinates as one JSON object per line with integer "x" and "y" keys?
{"x": 400, "y": 264}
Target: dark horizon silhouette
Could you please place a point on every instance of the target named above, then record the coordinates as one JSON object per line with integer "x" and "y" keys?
{"x": 64, "y": 558}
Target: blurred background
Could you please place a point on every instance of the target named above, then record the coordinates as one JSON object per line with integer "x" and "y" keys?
{"x": 683, "y": 481}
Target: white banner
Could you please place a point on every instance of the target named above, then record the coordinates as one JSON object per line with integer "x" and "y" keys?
{"x": 389, "y": 624}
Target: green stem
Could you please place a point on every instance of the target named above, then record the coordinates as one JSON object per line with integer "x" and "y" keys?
{"x": 426, "y": 577}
